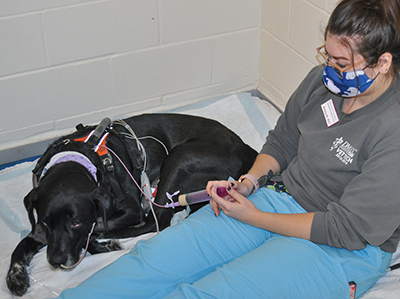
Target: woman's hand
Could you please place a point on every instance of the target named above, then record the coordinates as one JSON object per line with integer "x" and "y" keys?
{"x": 262, "y": 165}
{"x": 235, "y": 204}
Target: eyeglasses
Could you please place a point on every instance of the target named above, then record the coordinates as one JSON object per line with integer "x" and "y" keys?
{"x": 339, "y": 70}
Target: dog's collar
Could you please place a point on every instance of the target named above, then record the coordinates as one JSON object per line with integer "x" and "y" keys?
{"x": 72, "y": 156}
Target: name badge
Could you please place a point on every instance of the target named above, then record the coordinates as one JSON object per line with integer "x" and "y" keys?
{"x": 330, "y": 114}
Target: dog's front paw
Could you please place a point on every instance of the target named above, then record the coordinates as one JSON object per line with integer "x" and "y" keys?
{"x": 104, "y": 246}
{"x": 18, "y": 279}
{"x": 113, "y": 245}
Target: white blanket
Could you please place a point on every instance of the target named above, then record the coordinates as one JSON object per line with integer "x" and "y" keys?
{"x": 249, "y": 117}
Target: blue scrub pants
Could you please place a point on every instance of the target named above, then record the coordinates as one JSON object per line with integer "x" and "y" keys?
{"x": 219, "y": 257}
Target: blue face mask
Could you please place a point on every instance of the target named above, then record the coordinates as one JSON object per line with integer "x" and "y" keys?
{"x": 349, "y": 85}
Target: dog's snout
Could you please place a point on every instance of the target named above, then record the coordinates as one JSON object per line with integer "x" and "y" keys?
{"x": 56, "y": 261}
{"x": 61, "y": 254}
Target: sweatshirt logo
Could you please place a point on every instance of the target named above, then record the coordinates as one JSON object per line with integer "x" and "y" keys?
{"x": 343, "y": 150}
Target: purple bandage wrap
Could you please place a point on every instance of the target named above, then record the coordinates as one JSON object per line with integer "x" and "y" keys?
{"x": 74, "y": 157}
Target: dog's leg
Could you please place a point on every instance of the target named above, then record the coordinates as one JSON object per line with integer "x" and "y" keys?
{"x": 188, "y": 168}
{"x": 17, "y": 276}
{"x": 192, "y": 164}
{"x": 127, "y": 232}
{"x": 96, "y": 246}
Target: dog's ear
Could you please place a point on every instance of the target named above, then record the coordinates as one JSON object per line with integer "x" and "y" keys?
{"x": 30, "y": 203}
{"x": 105, "y": 204}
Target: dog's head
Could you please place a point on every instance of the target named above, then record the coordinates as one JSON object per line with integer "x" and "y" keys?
{"x": 67, "y": 203}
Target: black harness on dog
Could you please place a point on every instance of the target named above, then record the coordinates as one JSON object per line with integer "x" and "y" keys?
{"x": 97, "y": 139}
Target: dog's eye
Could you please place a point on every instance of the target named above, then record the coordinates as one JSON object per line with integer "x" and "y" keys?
{"x": 75, "y": 224}
{"x": 44, "y": 223}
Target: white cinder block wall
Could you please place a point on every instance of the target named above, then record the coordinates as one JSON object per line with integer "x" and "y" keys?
{"x": 68, "y": 61}
{"x": 291, "y": 30}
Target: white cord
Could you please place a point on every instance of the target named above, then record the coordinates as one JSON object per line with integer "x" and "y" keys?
{"x": 159, "y": 141}
{"x": 124, "y": 124}
{"x": 155, "y": 218}
{"x": 141, "y": 148}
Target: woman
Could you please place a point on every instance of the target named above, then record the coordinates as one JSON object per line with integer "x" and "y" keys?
{"x": 336, "y": 218}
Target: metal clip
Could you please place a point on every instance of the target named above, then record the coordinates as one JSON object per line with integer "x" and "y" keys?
{"x": 107, "y": 162}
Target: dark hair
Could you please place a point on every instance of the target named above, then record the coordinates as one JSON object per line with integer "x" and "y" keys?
{"x": 374, "y": 25}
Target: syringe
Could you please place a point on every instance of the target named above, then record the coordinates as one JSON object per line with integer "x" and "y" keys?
{"x": 195, "y": 197}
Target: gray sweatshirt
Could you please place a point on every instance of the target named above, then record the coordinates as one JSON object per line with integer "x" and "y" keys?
{"x": 347, "y": 173}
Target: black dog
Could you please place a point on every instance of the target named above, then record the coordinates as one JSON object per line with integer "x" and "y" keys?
{"x": 81, "y": 184}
